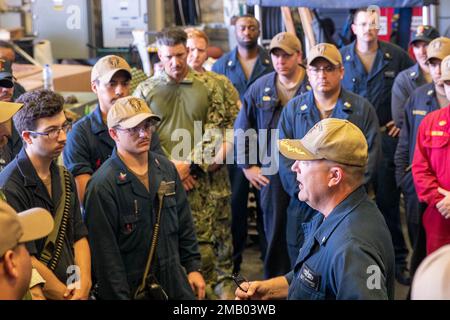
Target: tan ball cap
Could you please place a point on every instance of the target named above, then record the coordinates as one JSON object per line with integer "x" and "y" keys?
{"x": 287, "y": 42}
{"x": 330, "y": 139}
{"x": 439, "y": 48}
{"x": 327, "y": 51}
{"x": 22, "y": 227}
{"x": 128, "y": 112}
{"x": 106, "y": 68}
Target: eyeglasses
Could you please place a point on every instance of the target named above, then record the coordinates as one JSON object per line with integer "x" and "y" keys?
{"x": 54, "y": 133}
{"x": 145, "y": 127}
{"x": 327, "y": 69}
{"x": 239, "y": 279}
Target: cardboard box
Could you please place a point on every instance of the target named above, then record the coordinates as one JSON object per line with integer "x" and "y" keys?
{"x": 12, "y": 33}
{"x": 65, "y": 77}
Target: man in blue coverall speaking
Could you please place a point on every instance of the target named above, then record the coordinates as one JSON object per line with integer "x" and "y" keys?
{"x": 348, "y": 252}
{"x": 327, "y": 99}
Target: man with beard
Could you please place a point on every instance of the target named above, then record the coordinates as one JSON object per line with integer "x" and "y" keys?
{"x": 89, "y": 144}
{"x": 122, "y": 202}
{"x": 370, "y": 69}
{"x": 33, "y": 179}
{"x": 243, "y": 66}
{"x": 197, "y": 44}
{"x": 248, "y": 61}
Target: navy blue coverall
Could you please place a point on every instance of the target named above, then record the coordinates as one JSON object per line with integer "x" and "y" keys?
{"x": 422, "y": 101}
{"x": 230, "y": 66}
{"x": 376, "y": 86}
{"x": 120, "y": 215}
{"x": 261, "y": 109}
{"x": 342, "y": 252}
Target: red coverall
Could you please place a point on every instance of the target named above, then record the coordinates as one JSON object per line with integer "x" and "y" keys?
{"x": 431, "y": 169}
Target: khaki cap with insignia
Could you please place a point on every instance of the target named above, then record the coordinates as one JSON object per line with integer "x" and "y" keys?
{"x": 287, "y": 42}
{"x": 439, "y": 48}
{"x": 128, "y": 112}
{"x": 8, "y": 109}
{"x": 330, "y": 139}
{"x": 22, "y": 227}
{"x": 106, "y": 68}
{"x": 327, "y": 51}
{"x": 445, "y": 69}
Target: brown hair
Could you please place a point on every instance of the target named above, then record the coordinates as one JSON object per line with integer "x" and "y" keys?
{"x": 37, "y": 104}
{"x": 171, "y": 37}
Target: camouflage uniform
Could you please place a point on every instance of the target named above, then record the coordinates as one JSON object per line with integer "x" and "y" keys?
{"x": 210, "y": 199}
{"x": 137, "y": 76}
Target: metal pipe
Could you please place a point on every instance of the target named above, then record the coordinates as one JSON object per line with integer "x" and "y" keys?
{"x": 25, "y": 55}
{"x": 433, "y": 16}
{"x": 429, "y": 15}
{"x": 425, "y": 15}
{"x": 258, "y": 15}
{"x": 156, "y": 14}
